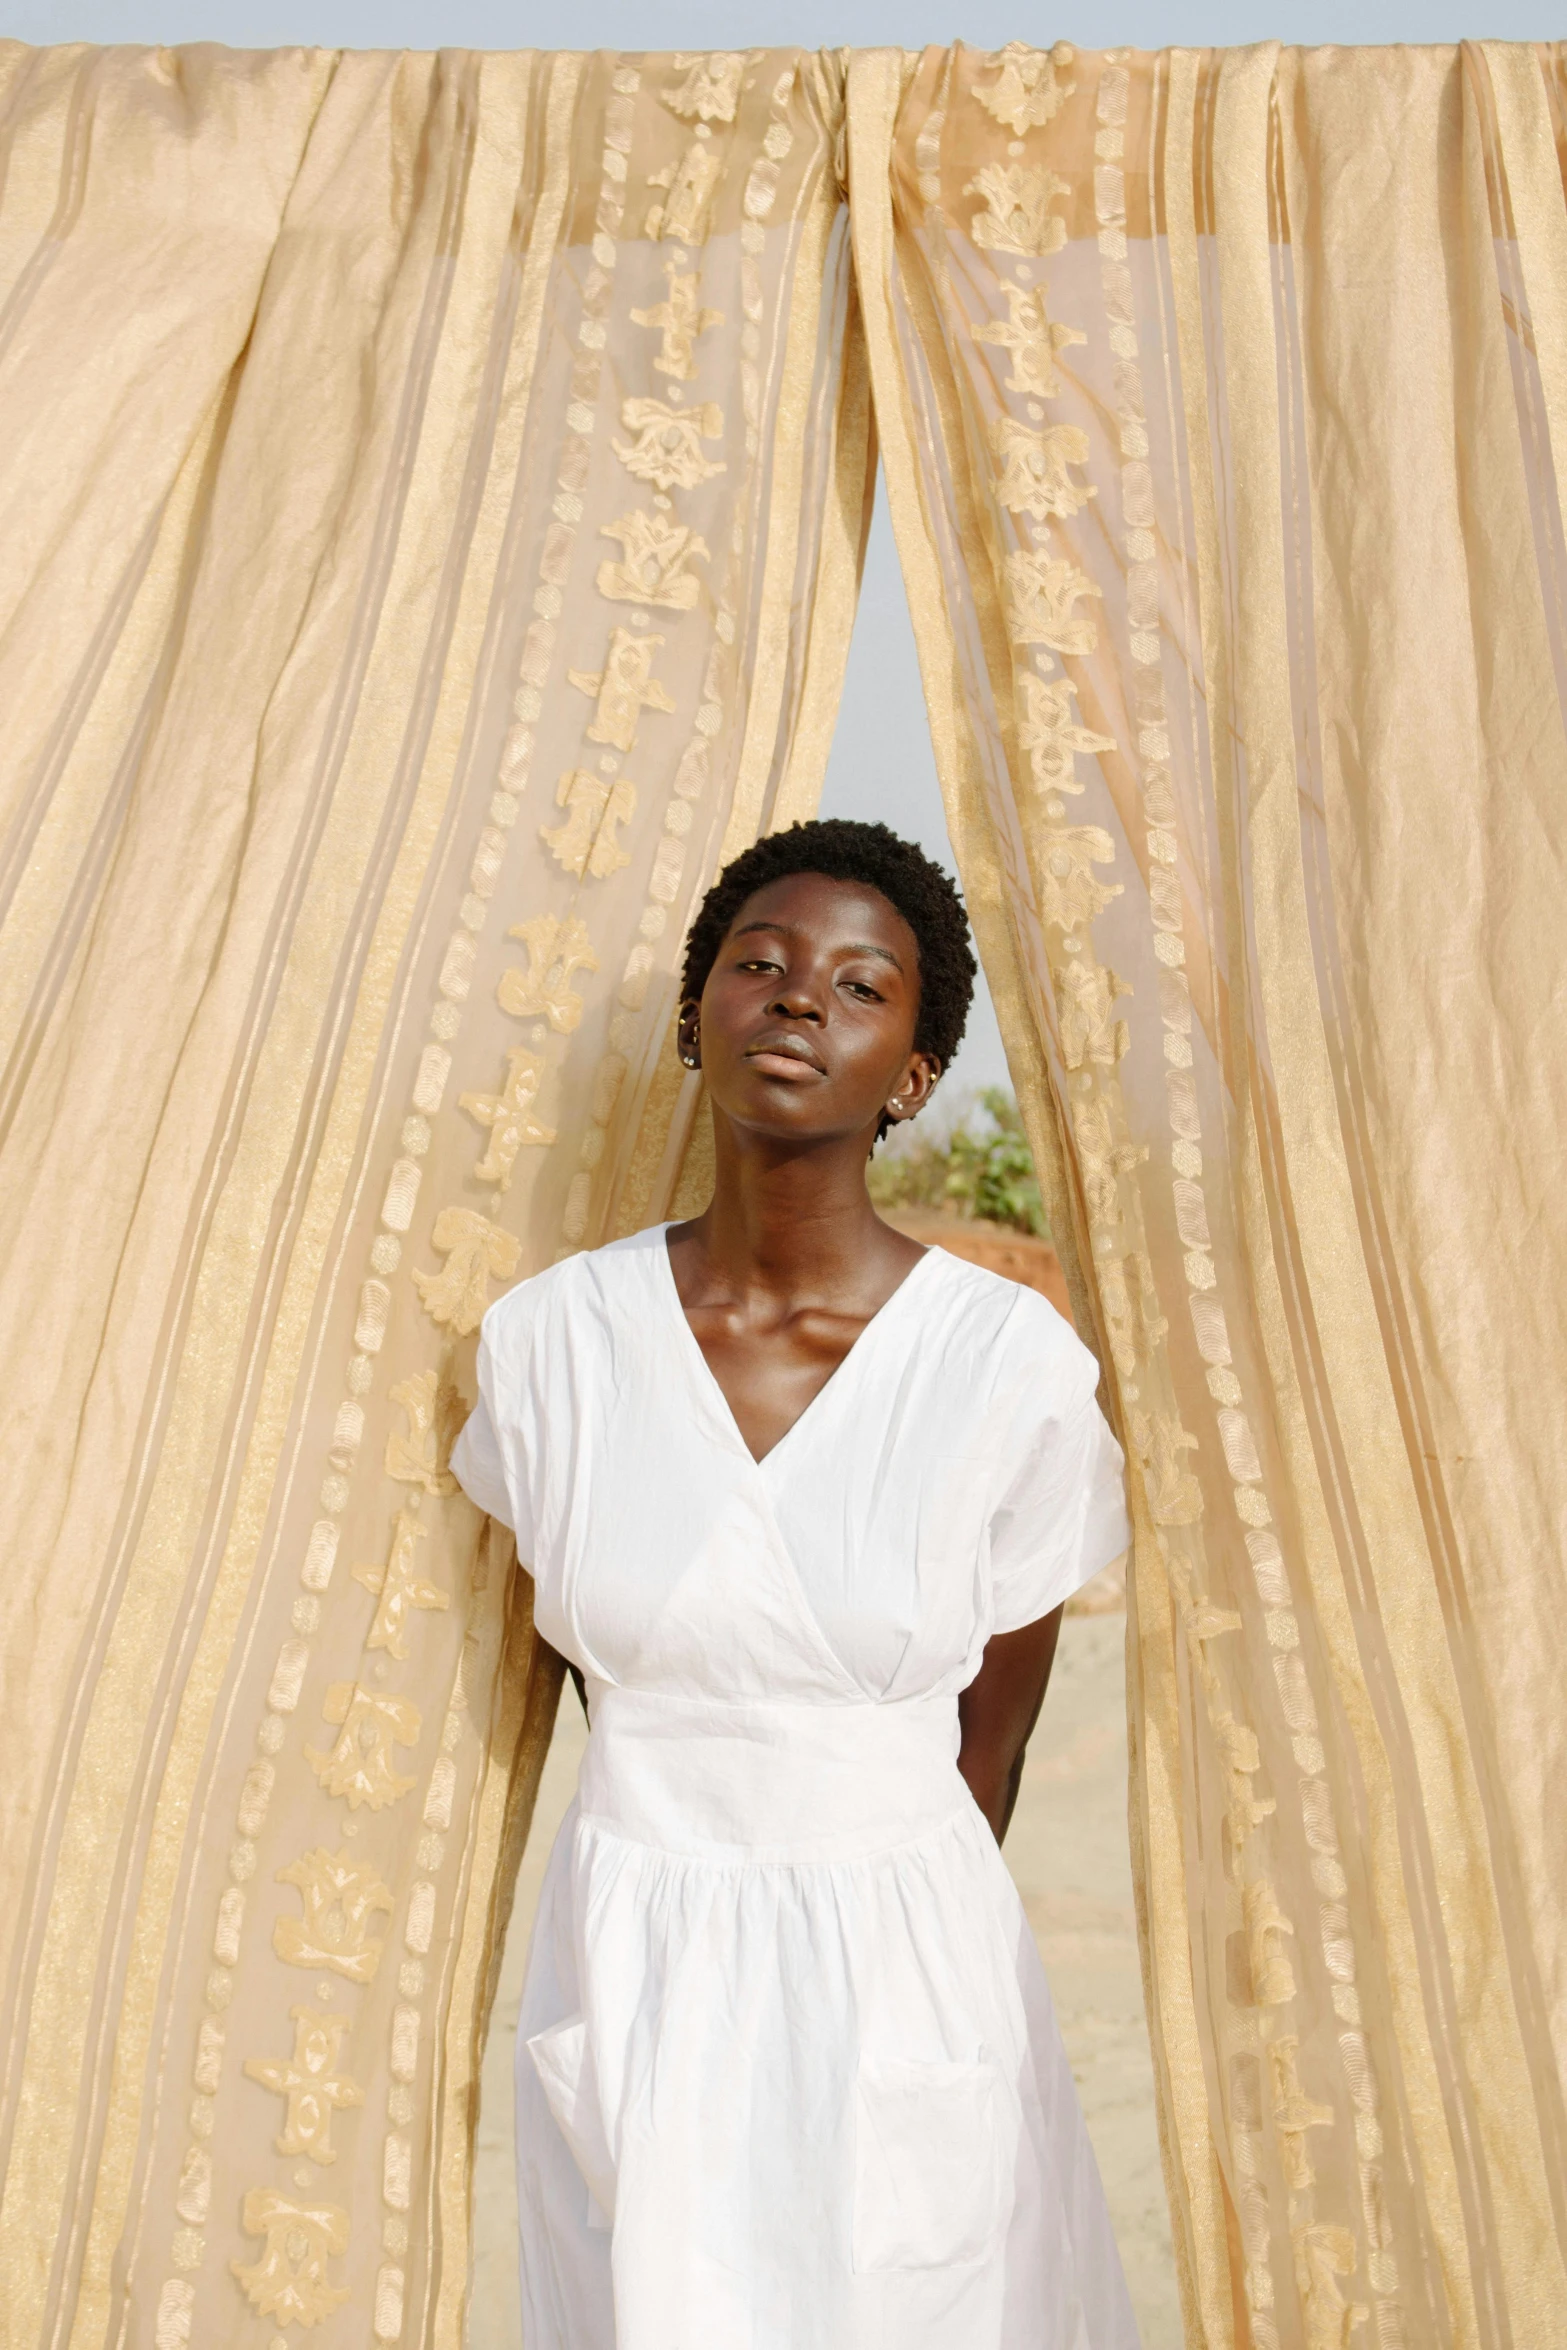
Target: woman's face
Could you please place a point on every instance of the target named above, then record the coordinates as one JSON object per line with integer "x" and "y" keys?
{"x": 806, "y": 1025}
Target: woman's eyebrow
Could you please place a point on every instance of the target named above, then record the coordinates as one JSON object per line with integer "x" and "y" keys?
{"x": 791, "y": 930}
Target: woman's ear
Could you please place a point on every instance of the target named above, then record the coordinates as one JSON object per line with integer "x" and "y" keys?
{"x": 689, "y": 1033}
{"x": 915, "y": 1087}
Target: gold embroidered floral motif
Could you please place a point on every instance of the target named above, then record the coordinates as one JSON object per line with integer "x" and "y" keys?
{"x": 476, "y": 1252}
{"x": 1155, "y": 1329}
{"x": 1050, "y": 734}
{"x": 435, "y": 1412}
{"x": 402, "y": 1590}
{"x": 310, "y": 2082}
{"x": 652, "y": 568}
{"x": 1102, "y": 1159}
{"x": 1323, "y": 2254}
{"x": 1294, "y": 2112}
{"x": 1017, "y": 217}
{"x": 1033, "y": 338}
{"x": 341, "y": 1900}
{"x": 508, "y": 1115}
{"x": 1242, "y": 1759}
{"x": 711, "y": 89}
{"x": 1174, "y": 1495}
{"x": 1040, "y": 592}
{"x": 1207, "y": 1622}
{"x": 1028, "y": 90}
{"x": 679, "y": 319}
{"x": 1130, "y": 1305}
{"x": 1272, "y": 1976}
{"x": 682, "y": 218}
{"x": 667, "y": 450}
{"x": 557, "y": 950}
{"x": 1120, "y": 1317}
{"x": 586, "y": 842}
{"x": 289, "y": 2282}
{"x": 1071, "y": 897}
{"x": 1087, "y": 991}
{"x": 359, "y": 1766}
{"x": 193, "y": 2198}
{"x": 625, "y": 688}
{"x": 1034, "y": 479}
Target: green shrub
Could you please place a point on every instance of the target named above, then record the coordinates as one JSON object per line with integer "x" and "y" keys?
{"x": 981, "y": 1167}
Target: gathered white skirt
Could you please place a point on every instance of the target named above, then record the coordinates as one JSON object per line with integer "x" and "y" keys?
{"x": 789, "y": 2076}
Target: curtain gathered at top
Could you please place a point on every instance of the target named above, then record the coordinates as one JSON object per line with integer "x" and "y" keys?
{"x": 432, "y": 491}
{"x": 432, "y": 501}
{"x": 1223, "y": 403}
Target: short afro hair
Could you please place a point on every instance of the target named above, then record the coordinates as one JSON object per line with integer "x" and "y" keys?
{"x": 842, "y": 850}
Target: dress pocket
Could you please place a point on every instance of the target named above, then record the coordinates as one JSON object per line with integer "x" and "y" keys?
{"x": 564, "y": 2063}
{"x": 929, "y": 2172}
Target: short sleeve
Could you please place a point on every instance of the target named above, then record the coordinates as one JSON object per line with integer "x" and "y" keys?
{"x": 1063, "y": 1516}
{"x": 479, "y": 1455}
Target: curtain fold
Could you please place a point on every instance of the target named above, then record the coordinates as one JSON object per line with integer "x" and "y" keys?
{"x": 433, "y": 498}
{"x": 1221, "y": 396}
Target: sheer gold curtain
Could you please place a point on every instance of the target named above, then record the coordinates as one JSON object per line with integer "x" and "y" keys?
{"x": 432, "y": 497}
{"x": 1223, "y": 398}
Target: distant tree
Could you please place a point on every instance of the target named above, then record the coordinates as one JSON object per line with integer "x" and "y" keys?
{"x": 982, "y": 1167}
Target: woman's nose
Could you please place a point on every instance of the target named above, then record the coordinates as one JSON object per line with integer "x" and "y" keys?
{"x": 796, "y": 1000}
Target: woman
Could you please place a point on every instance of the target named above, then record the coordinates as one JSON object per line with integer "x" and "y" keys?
{"x": 802, "y": 1502}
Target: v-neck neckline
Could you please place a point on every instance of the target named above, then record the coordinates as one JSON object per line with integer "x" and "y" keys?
{"x": 709, "y": 1377}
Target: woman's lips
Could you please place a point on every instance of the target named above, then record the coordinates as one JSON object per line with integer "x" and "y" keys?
{"x": 779, "y": 1061}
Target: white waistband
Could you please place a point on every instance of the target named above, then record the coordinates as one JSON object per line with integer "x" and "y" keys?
{"x": 770, "y": 1782}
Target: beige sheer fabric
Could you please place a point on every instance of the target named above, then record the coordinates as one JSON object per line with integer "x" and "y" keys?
{"x": 1224, "y": 402}
{"x": 432, "y": 498}
{"x": 432, "y": 493}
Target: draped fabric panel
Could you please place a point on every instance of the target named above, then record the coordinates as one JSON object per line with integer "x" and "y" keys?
{"x": 433, "y": 490}
{"x": 1223, "y": 398}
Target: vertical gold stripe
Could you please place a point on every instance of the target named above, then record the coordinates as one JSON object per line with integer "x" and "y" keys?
{"x": 1257, "y": 710}
{"x": 1195, "y": 2188}
{"x": 851, "y": 481}
{"x": 271, "y": 1118}
{"x": 40, "y": 96}
{"x": 89, "y": 768}
{"x": 759, "y": 745}
{"x": 683, "y": 1182}
{"x": 1412, "y": 2051}
{"x": 1322, "y": 1192}
{"x": 517, "y": 1747}
{"x": 530, "y": 1685}
{"x": 1211, "y": 2281}
{"x": 671, "y": 1114}
{"x": 1534, "y": 187}
{"x": 875, "y": 87}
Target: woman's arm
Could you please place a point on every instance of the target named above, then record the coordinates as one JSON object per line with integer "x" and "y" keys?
{"x": 997, "y": 1713}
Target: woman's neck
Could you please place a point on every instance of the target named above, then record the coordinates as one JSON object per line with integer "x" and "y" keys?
{"x": 797, "y": 1224}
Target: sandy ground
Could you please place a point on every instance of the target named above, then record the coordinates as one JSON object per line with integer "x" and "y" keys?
{"x": 1067, "y": 1851}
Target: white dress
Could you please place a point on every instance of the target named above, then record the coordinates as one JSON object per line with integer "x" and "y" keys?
{"x": 788, "y": 2073}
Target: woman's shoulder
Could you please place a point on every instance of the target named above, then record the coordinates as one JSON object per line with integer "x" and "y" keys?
{"x": 1022, "y": 1334}
{"x": 584, "y": 1282}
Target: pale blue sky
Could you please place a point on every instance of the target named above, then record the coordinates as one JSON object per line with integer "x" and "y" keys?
{"x": 692, "y": 24}
{"x": 881, "y": 764}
